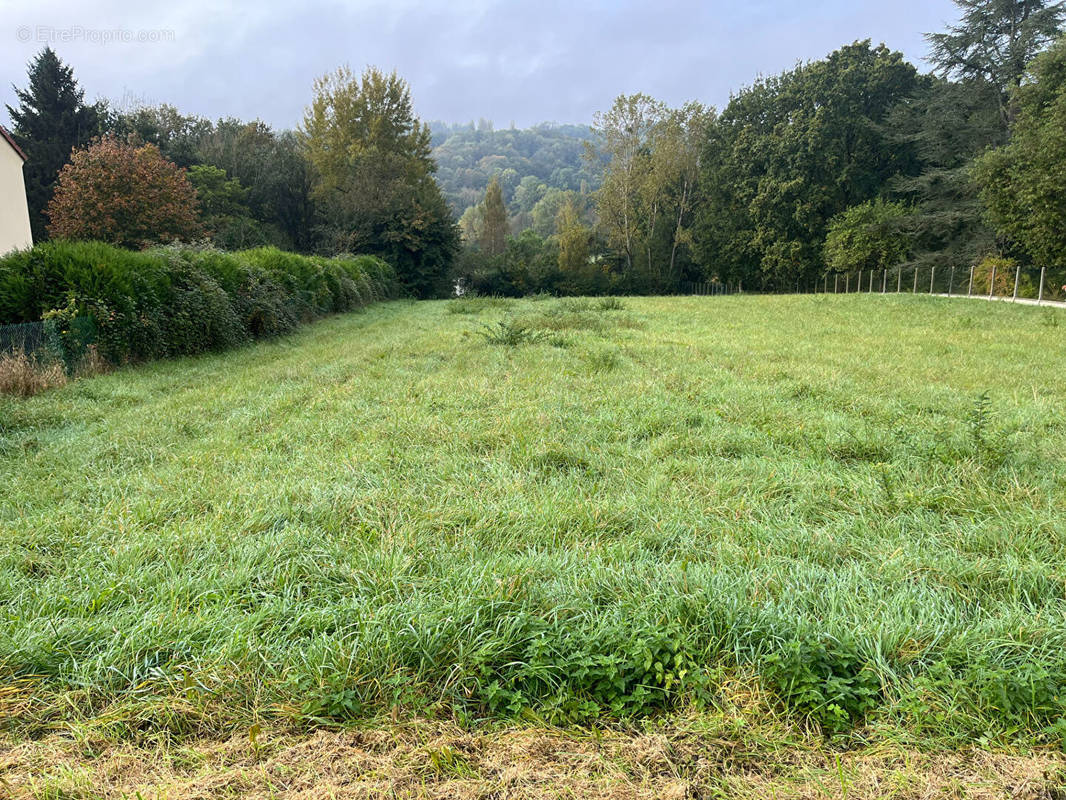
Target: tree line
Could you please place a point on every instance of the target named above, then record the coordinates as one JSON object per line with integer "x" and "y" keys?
{"x": 854, "y": 161}
{"x": 357, "y": 177}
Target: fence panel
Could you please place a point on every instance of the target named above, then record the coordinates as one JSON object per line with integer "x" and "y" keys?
{"x": 28, "y": 337}
{"x": 1006, "y": 283}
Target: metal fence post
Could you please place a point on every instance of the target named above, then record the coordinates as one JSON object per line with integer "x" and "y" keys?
{"x": 915, "y": 289}
{"x": 1040, "y": 297}
{"x": 899, "y": 280}
{"x": 836, "y": 284}
{"x": 932, "y": 277}
{"x": 1017, "y": 277}
{"x": 992, "y": 283}
{"x": 969, "y": 289}
{"x": 884, "y": 281}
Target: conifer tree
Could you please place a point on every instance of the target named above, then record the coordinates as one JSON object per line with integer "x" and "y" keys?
{"x": 50, "y": 121}
{"x": 995, "y": 40}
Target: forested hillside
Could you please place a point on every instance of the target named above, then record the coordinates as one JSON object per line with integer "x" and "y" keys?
{"x": 533, "y": 165}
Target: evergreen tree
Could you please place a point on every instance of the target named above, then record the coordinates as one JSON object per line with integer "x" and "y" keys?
{"x": 948, "y": 124}
{"x": 994, "y": 42}
{"x": 51, "y": 121}
{"x": 494, "y": 224}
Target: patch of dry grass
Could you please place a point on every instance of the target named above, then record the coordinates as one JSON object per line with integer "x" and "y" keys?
{"x": 434, "y": 760}
{"x": 22, "y": 376}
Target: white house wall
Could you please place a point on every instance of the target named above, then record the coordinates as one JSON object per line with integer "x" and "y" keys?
{"x": 14, "y": 216}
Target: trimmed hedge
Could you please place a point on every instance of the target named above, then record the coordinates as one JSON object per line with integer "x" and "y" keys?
{"x": 176, "y": 300}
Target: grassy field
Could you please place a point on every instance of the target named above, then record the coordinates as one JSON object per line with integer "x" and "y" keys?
{"x": 850, "y": 507}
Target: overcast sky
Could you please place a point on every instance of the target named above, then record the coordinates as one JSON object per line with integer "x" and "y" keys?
{"x": 506, "y": 61}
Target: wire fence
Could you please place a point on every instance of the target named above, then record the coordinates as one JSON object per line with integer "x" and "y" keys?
{"x": 49, "y": 341}
{"x": 25, "y": 337}
{"x": 710, "y": 288}
{"x": 991, "y": 282}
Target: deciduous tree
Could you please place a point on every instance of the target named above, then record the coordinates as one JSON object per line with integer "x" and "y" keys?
{"x": 494, "y": 226}
{"x": 124, "y": 194}
{"x": 628, "y": 202}
{"x": 867, "y": 236}
{"x": 373, "y": 177}
{"x": 792, "y": 152}
{"x": 573, "y": 239}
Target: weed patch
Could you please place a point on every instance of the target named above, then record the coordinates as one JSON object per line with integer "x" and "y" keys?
{"x": 511, "y": 333}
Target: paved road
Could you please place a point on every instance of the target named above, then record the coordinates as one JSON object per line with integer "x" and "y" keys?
{"x": 1021, "y": 300}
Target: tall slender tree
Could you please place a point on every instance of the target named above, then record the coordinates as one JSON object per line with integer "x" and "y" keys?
{"x": 494, "y": 222}
{"x": 627, "y": 204}
{"x": 573, "y": 238}
{"x": 51, "y": 120}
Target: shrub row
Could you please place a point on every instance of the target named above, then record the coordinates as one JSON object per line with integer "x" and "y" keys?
{"x": 177, "y": 300}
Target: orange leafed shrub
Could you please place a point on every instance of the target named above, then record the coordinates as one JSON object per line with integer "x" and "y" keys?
{"x": 125, "y": 194}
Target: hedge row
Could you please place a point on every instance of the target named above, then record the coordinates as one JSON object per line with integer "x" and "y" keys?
{"x": 177, "y": 300}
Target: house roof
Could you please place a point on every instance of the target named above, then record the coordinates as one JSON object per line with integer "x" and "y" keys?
{"x": 10, "y": 140}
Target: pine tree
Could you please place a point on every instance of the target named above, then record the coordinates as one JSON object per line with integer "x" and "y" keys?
{"x": 947, "y": 124}
{"x": 951, "y": 122}
{"x": 494, "y": 222}
{"x": 51, "y": 120}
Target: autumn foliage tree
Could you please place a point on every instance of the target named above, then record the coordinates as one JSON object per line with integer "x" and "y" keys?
{"x": 125, "y": 194}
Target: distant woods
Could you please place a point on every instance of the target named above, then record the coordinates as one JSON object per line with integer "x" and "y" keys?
{"x": 857, "y": 160}
{"x": 854, "y": 161}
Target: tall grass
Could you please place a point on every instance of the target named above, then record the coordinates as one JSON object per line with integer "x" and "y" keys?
{"x": 23, "y": 376}
{"x": 385, "y": 512}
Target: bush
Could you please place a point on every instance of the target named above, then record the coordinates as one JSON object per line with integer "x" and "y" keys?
{"x": 177, "y": 300}
{"x": 1003, "y": 269}
{"x": 511, "y": 333}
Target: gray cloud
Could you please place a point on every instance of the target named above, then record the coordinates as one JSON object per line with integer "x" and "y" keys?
{"x": 505, "y": 61}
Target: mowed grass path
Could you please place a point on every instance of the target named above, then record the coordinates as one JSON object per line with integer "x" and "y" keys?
{"x": 857, "y": 502}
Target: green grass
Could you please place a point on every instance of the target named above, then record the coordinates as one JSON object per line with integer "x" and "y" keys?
{"x": 855, "y": 501}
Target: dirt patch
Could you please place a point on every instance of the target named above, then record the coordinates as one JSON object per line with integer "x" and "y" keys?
{"x": 431, "y": 760}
